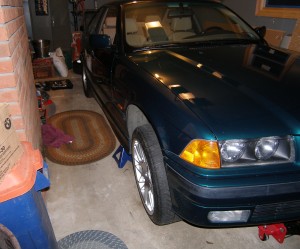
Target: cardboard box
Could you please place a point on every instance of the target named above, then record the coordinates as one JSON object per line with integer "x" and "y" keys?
{"x": 11, "y": 149}
{"x": 43, "y": 62}
{"x": 41, "y": 72}
{"x": 274, "y": 37}
{"x": 43, "y": 68}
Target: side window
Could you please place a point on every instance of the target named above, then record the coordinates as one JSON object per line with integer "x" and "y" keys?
{"x": 108, "y": 24}
{"x": 92, "y": 27}
{"x": 91, "y": 21}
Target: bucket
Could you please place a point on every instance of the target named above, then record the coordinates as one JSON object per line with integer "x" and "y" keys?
{"x": 41, "y": 48}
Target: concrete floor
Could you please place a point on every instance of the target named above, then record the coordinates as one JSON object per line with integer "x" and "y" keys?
{"x": 100, "y": 196}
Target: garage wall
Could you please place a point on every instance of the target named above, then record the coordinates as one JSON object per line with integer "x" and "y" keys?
{"x": 95, "y": 4}
{"x": 246, "y": 9}
{"x": 16, "y": 75}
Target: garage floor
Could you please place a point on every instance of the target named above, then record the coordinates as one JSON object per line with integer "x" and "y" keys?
{"x": 100, "y": 196}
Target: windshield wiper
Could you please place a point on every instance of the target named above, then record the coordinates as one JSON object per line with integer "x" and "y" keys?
{"x": 161, "y": 46}
{"x": 225, "y": 41}
{"x": 241, "y": 41}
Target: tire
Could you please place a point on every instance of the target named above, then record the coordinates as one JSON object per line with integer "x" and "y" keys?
{"x": 7, "y": 239}
{"x": 150, "y": 176}
{"x": 86, "y": 84}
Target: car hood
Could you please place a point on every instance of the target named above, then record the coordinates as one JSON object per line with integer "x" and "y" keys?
{"x": 238, "y": 91}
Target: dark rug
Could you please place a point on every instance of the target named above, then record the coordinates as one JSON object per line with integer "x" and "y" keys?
{"x": 91, "y": 239}
{"x": 93, "y": 138}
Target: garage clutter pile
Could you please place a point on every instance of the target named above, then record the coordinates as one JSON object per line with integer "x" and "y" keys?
{"x": 44, "y": 62}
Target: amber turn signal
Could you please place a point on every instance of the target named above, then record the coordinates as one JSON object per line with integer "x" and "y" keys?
{"x": 202, "y": 153}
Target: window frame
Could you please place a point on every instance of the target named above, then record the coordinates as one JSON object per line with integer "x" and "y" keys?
{"x": 263, "y": 10}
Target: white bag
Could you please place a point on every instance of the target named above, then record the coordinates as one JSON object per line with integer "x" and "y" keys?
{"x": 59, "y": 62}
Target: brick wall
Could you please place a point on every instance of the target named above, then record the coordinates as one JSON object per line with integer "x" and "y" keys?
{"x": 16, "y": 76}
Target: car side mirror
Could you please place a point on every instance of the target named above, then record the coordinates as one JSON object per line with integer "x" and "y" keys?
{"x": 99, "y": 41}
{"x": 261, "y": 31}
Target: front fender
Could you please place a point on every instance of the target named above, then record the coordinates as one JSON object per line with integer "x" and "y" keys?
{"x": 173, "y": 122}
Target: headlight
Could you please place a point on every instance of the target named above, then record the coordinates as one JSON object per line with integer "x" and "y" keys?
{"x": 239, "y": 152}
{"x": 261, "y": 151}
{"x": 266, "y": 148}
{"x": 233, "y": 150}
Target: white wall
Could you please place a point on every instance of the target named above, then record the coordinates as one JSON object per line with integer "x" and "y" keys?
{"x": 92, "y": 4}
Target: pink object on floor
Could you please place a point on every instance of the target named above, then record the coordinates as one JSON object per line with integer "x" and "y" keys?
{"x": 54, "y": 137}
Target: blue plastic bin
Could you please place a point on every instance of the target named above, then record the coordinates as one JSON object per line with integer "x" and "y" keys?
{"x": 22, "y": 207}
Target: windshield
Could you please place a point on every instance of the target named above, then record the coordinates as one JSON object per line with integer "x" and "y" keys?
{"x": 162, "y": 23}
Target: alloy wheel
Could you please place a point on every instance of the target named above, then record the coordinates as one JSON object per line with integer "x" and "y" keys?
{"x": 143, "y": 177}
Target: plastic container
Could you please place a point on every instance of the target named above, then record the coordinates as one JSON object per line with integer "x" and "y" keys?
{"x": 41, "y": 48}
{"x": 22, "y": 207}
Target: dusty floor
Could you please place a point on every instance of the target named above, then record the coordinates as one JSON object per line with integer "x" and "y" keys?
{"x": 101, "y": 196}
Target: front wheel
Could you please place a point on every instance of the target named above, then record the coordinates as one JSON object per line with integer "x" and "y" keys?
{"x": 86, "y": 84}
{"x": 150, "y": 176}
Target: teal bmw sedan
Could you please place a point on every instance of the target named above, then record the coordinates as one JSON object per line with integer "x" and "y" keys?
{"x": 208, "y": 111}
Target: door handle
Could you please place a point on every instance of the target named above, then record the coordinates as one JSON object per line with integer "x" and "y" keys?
{"x": 52, "y": 21}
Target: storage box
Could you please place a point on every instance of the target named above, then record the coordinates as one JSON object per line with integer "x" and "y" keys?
{"x": 43, "y": 61}
{"x": 43, "y": 72}
{"x": 43, "y": 68}
{"x": 10, "y": 146}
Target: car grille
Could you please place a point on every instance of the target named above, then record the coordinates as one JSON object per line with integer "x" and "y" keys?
{"x": 274, "y": 211}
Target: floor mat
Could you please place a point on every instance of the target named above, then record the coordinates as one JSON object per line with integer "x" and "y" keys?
{"x": 91, "y": 239}
{"x": 93, "y": 138}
